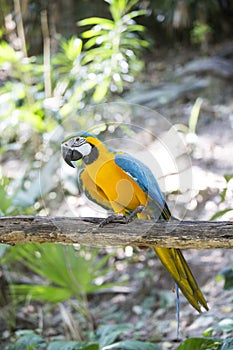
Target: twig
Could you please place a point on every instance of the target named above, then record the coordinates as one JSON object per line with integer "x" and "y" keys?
{"x": 46, "y": 43}
{"x": 20, "y": 28}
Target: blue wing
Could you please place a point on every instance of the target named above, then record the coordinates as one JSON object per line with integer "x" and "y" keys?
{"x": 144, "y": 177}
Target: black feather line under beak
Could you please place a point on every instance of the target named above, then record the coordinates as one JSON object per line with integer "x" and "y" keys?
{"x": 70, "y": 154}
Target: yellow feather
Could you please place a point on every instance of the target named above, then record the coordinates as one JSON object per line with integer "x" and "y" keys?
{"x": 175, "y": 263}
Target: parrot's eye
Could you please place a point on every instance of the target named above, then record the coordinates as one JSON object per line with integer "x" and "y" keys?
{"x": 78, "y": 141}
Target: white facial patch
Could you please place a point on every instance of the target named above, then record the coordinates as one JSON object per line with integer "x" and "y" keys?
{"x": 85, "y": 149}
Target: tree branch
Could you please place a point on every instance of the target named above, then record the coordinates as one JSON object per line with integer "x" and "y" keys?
{"x": 184, "y": 234}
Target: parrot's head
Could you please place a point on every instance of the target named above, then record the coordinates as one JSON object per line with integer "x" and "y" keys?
{"x": 83, "y": 146}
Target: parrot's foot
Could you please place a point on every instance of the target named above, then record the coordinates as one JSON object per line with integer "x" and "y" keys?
{"x": 121, "y": 219}
{"x": 134, "y": 213}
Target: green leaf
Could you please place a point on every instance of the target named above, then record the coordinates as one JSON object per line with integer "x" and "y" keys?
{"x": 132, "y": 345}
{"x": 135, "y": 28}
{"x": 129, "y": 5}
{"x": 7, "y": 54}
{"x": 134, "y": 43}
{"x": 103, "y": 261}
{"x": 32, "y": 115}
{"x": 223, "y": 194}
{"x": 101, "y": 91}
{"x": 227, "y": 274}
{"x": 93, "y": 32}
{"x": 6, "y": 201}
{"x": 133, "y": 14}
{"x": 109, "y": 333}
{"x": 72, "y": 48}
{"x": 98, "y": 53}
{"x": 30, "y": 341}
{"x": 228, "y": 177}
{"x": 220, "y": 213}
{"x": 98, "y": 40}
{"x": 200, "y": 344}
{"x": 107, "y": 23}
{"x": 39, "y": 292}
{"x": 71, "y": 345}
{"x": 195, "y": 112}
{"x": 224, "y": 326}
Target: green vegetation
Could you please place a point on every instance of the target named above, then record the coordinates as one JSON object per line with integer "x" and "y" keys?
{"x": 69, "y": 272}
{"x": 228, "y": 178}
{"x": 78, "y": 77}
{"x": 113, "y": 48}
{"x": 63, "y": 273}
{"x": 105, "y": 339}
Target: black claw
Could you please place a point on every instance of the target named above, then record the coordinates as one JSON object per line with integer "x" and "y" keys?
{"x": 134, "y": 213}
{"x": 121, "y": 219}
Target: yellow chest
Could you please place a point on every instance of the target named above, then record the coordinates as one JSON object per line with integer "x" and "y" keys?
{"x": 123, "y": 193}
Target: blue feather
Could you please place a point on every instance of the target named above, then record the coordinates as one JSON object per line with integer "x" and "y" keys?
{"x": 177, "y": 311}
{"x": 142, "y": 175}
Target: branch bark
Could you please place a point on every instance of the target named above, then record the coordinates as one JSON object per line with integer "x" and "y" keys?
{"x": 183, "y": 234}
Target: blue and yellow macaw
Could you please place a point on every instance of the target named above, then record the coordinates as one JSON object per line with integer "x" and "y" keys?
{"x": 126, "y": 186}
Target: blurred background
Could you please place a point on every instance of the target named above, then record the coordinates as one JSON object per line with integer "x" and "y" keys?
{"x": 144, "y": 74}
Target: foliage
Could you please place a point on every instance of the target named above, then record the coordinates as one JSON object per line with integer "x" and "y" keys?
{"x": 194, "y": 115}
{"x": 227, "y": 275}
{"x": 223, "y": 195}
{"x": 116, "y": 45}
{"x": 105, "y": 339}
{"x": 210, "y": 340}
{"x": 190, "y": 129}
{"x": 216, "y": 336}
{"x": 68, "y": 272}
{"x": 78, "y": 77}
{"x": 14, "y": 200}
{"x": 22, "y": 95}
{"x": 28, "y": 340}
{"x": 224, "y": 327}
{"x": 60, "y": 273}
{"x": 200, "y": 344}
{"x": 6, "y": 200}
{"x": 199, "y": 32}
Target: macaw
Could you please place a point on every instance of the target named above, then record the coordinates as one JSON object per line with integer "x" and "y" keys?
{"x": 119, "y": 182}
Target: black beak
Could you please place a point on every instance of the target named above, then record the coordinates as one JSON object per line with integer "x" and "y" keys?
{"x": 70, "y": 154}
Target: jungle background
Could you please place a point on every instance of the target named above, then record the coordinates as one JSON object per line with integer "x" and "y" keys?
{"x": 60, "y": 61}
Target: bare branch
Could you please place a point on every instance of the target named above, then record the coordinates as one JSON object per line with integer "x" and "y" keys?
{"x": 184, "y": 234}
